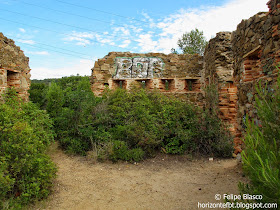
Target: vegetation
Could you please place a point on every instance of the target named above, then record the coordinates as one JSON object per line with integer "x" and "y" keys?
{"x": 261, "y": 158}
{"x": 130, "y": 126}
{"x": 192, "y": 43}
{"x": 26, "y": 173}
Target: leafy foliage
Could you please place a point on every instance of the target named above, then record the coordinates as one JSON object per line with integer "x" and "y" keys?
{"x": 37, "y": 93}
{"x": 70, "y": 102}
{"x": 192, "y": 42}
{"x": 153, "y": 121}
{"x": 262, "y": 154}
{"x": 130, "y": 126}
{"x": 26, "y": 173}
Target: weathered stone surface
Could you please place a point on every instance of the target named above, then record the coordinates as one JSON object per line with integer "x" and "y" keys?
{"x": 234, "y": 61}
{"x": 180, "y": 74}
{"x": 14, "y": 68}
{"x": 256, "y": 53}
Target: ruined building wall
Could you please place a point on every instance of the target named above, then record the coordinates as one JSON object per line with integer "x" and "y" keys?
{"x": 256, "y": 51}
{"x": 218, "y": 70}
{"x": 178, "y": 75}
{"x": 14, "y": 68}
{"x": 235, "y": 62}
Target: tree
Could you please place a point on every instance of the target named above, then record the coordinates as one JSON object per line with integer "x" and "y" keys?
{"x": 192, "y": 42}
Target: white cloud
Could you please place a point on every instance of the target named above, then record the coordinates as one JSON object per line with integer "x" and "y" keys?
{"x": 146, "y": 43}
{"x": 136, "y": 29}
{"x": 22, "y": 30}
{"x": 85, "y": 38}
{"x": 162, "y": 35}
{"x": 81, "y": 38}
{"x": 122, "y": 31}
{"x": 37, "y": 52}
{"x": 210, "y": 20}
{"x": 125, "y": 43}
{"x": 81, "y": 67}
{"x": 148, "y": 20}
{"x": 25, "y": 41}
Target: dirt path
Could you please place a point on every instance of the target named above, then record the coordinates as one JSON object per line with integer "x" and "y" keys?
{"x": 165, "y": 182}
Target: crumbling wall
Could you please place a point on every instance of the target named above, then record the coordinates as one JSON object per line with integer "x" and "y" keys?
{"x": 235, "y": 62}
{"x": 256, "y": 51}
{"x": 174, "y": 74}
{"x": 218, "y": 70}
{"x": 14, "y": 68}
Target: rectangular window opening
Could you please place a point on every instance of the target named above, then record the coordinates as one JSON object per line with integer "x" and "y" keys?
{"x": 118, "y": 84}
{"x": 13, "y": 79}
{"x": 192, "y": 85}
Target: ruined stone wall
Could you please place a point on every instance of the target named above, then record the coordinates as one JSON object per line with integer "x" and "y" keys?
{"x": 218, "y": 70}
{"x": 179, "y": 75}
{"x": 235, "y": 62}
{"x": 14, "y": 68}
{"x": 256, "y": 51}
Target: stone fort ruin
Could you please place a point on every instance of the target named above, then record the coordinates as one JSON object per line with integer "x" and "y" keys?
{"x": 233, "y": 61}
{"x": 14, "y": 68}
{"x": 178, "y": 75}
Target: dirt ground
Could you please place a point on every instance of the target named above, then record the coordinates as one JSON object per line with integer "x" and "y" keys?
{"x": 164, "y": 182}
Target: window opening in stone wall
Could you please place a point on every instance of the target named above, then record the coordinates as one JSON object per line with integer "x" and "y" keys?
{"x": 192, "y": 85}
{"x": 166, "y": 84}
{"x": 118, "y": 84}
{"x": 143, "y": 82}
{"x": 106, "y": 84}
{"x": 251, "y": 70}
{"x": 13, "y": 79}
{"x": 189, "y": 85}
{"x": 251, "y": 66}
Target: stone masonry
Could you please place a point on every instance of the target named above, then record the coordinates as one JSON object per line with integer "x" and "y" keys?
{"x": 179, "y": 75}
{"x": 235, "y": 62}
{"x": 218, "y": 70}
{"x": 14, "y": 68}
{"x": 256, "y": 52}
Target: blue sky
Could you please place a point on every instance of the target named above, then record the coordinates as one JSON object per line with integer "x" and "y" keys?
{"x": 65, "y": 37}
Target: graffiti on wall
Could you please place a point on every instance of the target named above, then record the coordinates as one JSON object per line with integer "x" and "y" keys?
{"x": 138, "y": 67}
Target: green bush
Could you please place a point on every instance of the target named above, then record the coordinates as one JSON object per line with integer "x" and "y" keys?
{"x": 145, "y": 122}
{"x": 26, "y": 173}
{"x": 70, "y": 102}
{"x": 261, "y": 158}
{"x": 120, "y": 151}
{"x": 37, "y": 93}
{"x": 152, "y": 121}
{"x": 213, "y": 137}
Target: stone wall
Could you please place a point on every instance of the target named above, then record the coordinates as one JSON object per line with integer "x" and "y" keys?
{"x": 14, "y": 68}
{"x": 179, "y": 75}
{"x": 256, "y": 52}
{"x": 233, "y": 61}
{"x": 218, "y": 70}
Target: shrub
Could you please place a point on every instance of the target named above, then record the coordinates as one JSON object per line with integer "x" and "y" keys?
{"x": 144, "y": 122}
{"x": 70, "y": 102}
{"x": 213, "y": 136}
{"x": 261, "y": 158}
{"x": 152, "y": 121}
{"x": 26, "y": 173}
{"x": 37, "y": 93}
{"x": 120, "y": 151}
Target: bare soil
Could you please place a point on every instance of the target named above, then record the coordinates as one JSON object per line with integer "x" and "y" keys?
{"x": 164, "y": 182}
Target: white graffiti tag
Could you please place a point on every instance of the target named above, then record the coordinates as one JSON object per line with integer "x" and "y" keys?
{"x": 138, "y": 67}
